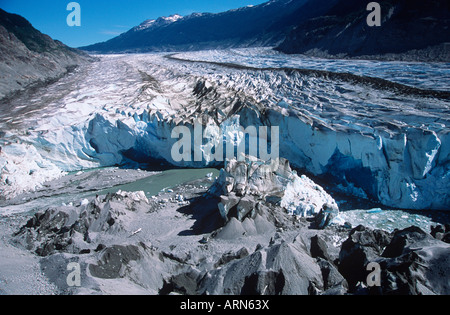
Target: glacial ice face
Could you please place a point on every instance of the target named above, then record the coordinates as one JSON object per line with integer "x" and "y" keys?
{"x": 22, "y": 168}
{"x": 401, "y": 170}
{"x": 373, "y": 141}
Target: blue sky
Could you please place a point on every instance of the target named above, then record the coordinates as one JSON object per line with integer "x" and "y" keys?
{"x": 104, "y": 19}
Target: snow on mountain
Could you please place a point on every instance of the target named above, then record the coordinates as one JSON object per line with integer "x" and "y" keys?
{"x": 410, "y": 30}
{"x": 158, "y": 22}
{"x": 144, "y": 25}
{"x": 260, "y": 25}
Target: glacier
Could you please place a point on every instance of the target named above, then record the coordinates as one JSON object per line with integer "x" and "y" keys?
{"x": 366, "y": 133}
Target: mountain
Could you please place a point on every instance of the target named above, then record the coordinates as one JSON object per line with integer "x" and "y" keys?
{"x": 28, "y": 57}
{"x": 410, "y": 29}
{"x": 152, "y": 24}
{"x": 261, "y": 25}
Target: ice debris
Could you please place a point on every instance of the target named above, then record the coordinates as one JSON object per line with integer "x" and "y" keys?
{"x": 243, "y": 185}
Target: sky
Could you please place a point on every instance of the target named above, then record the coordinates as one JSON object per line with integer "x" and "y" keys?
{"x": 104, "y": 19}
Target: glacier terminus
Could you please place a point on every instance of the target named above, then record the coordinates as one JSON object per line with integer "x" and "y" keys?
{"x": 382, "y": 140}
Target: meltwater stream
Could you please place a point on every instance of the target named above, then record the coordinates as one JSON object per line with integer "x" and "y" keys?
{"x": 154, "y": 183}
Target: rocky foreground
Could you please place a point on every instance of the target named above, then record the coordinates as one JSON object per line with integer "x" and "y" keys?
{"x": 246, "y": 234}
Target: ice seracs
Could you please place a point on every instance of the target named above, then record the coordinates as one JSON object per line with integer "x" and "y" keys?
{"x": 370, "y": 137}
{"x": 243, "y": 185}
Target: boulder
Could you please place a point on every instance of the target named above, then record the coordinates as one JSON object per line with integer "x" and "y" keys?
{"x": 230, "y": 256}
{"x": 403, "y": 239}
{"x": 282, "y": 268}
{"x": 411, "y": 261}
{"x": 227, "y": 202}
{"x": 113, "y": 260}
{"x": 326, "y": 215}
{"x": 245, "y": 206}
{"x": 362, "y": 246}
{"x": 80, "y": 229}
{"x": 333, "y": 282}
{"x": 319, "y": 248}
{"x": 267, "y": 282}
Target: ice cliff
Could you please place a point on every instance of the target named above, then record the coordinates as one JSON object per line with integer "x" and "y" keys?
{"x": 368, "y": 137}
{"x": 406, "y": 168}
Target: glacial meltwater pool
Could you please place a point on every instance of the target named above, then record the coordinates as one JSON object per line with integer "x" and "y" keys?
{"x": 155, "y": 182}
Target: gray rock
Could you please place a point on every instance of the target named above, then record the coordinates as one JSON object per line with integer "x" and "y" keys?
{"x": 319, "y": 248}
{"x": 183, "y": 283}
{"x": 421, "y": 271}
{"x": 245, "y": 187}
{"x": 264, "y": 283}
{"x": 227, "y": 203}
{"x": 232, "y": 230}
{"x": 333, "y": 282}
{"x": 326, "y": 216}
{"x": 78, "y": 229}
{"x": 230, "y": 256}
{"x": 283, "y": 268}
{"x": 30, "y": 58}
{"x": 411, "y": 261}
{"x": 113, "y": 261}
{"x": 439, "y": 232}
{"x": 363, "y": 245}
{"x": 403, "y": 239}
{"x": 245, "y": 206}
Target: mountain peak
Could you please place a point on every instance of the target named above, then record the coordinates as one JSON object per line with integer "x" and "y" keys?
{"x": 164, "y": 20}
{"x": 263, "y": 25}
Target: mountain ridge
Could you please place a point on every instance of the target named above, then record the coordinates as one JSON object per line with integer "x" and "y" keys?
{"x": 411, "y": 30}
{"x": 29, "y": 58}
{"x": 242, "y": 27}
